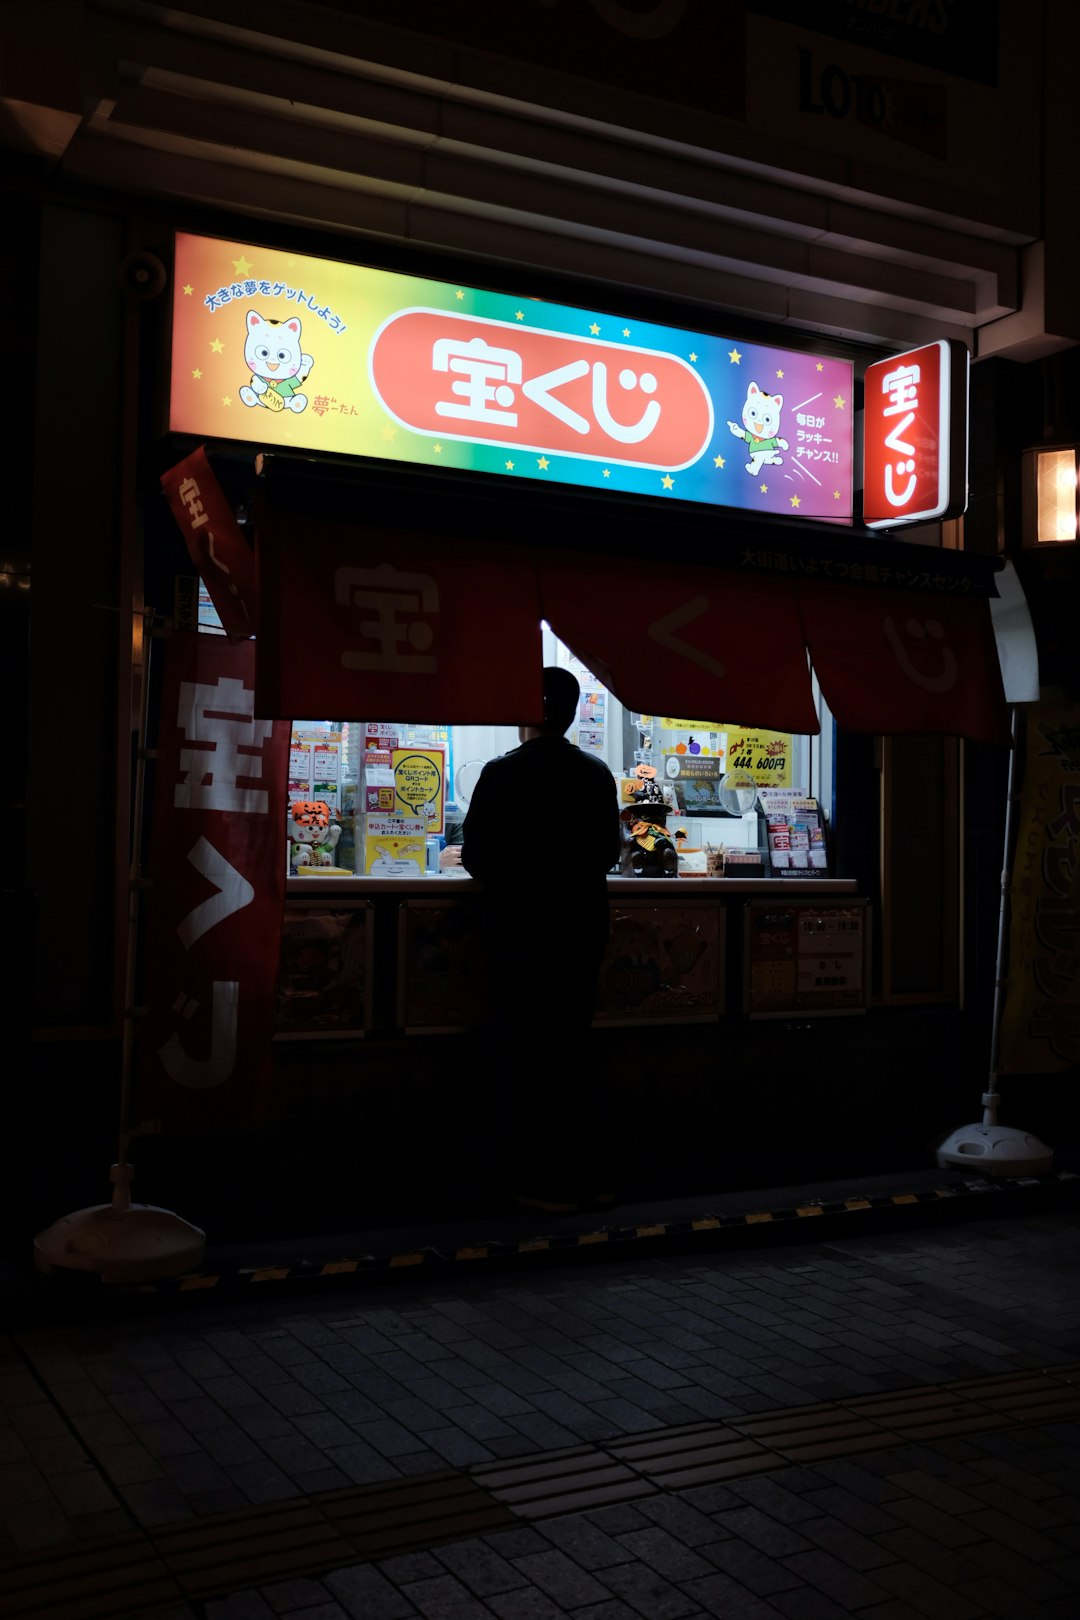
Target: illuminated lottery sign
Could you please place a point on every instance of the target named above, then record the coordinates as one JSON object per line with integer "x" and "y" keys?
{"x": 278, "y": 348}
{"x": 915, "y": 436}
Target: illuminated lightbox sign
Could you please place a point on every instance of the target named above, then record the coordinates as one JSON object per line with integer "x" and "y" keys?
{"x": 279, "y": 349}
{"x": 915, "y": 413}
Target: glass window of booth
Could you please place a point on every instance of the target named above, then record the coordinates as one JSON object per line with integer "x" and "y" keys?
{"x": 387, "y": 798}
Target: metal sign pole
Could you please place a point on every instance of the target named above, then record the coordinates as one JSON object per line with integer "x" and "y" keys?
{"x": 122, "y": 1241}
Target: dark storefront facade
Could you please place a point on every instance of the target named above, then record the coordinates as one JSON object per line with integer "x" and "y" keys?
{"x": 830, "y": 193}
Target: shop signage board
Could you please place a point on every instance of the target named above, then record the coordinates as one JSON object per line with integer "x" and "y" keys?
{"x": 915, "y": 436}
{"x": 282, "y": 349}
{"x": 805, "y": 958}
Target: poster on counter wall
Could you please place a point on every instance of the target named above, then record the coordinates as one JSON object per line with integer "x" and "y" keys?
{"x": 394, "y": 846}
{"x": 662, "y": 962}
{"x": 420, "y": 785}
{"x": 216, "y": 893}
{"x": 283, "y": 349}
{"x": 1040, "y": 1026}
{"x": 806, "y": 959}
{"x": 324, "y": 983}
{"x": 766, "y": 755}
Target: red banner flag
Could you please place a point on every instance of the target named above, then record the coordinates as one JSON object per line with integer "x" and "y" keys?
{"x": 899, "y": 663}
{"x": 375, "y": 624}
{"x": 219, "y": 551}
{"x": 217, "y": 891}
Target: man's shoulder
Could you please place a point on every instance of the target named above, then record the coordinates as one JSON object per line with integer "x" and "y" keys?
{"x": 502, "y": 762}
{"x": 589, "y": 763}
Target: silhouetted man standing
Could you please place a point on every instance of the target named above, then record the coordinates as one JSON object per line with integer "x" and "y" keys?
{"x": 541, "y": 834}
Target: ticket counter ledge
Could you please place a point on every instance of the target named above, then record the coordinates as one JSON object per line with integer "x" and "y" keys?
{"x": 440, "y": 884}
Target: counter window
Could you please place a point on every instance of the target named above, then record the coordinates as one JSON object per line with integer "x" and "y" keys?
{"x": 388, "y": 798}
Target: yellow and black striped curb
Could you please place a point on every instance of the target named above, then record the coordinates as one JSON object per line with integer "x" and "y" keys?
{"x": 198, "y": 1558}
{"x": 707, "y": 1228}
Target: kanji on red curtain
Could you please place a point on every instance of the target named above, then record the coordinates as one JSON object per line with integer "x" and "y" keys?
{"x": 901, "y": 662}
{"x": 668, "y": 639}
{"x": 376, "y": 623}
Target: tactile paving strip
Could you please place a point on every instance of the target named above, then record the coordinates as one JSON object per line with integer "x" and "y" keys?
{"x": 705, "y": 1453}
{"x": 229, "y": 1552}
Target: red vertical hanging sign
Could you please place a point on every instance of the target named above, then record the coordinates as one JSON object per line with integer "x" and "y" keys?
{"x": 915, "y": 436}
{"x": 217, "y": 891}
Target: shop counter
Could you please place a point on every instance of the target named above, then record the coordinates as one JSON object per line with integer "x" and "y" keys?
{"x": 435, "y": 882}
{"x": 384, "y": 956}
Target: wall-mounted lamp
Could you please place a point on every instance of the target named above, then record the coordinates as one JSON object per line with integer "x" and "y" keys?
{"x": 1051, "y": 494}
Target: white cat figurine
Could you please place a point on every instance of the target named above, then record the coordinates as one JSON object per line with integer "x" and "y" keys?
{"x": 277, "y": 366}
{"x": 761, "y": 420}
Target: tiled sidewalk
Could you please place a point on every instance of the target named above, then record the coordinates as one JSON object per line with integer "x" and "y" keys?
{"x": 159, "y": 1419}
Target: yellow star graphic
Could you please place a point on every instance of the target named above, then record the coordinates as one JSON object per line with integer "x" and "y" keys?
{"x": 543, "y": 463}
{"x": 718, "y": 461}
{"x": 821, "y": 365}
{"x": 764, "y": 489}
{"x": 226, "y": 400}
{"x": 519, "y": 315}
{"x": 734, "y": 356}
{"x": 197, "y": 374}
{"x": 241, "y": 265}
{"x": 780, "y": 373}
{"x": 626, "y": 331}
{"x": 667, "y": 481}
{"x": 836, "y": 494}
{"x": 692, "y": 357}
{"x": 607, "y": 473}
{"x": 216, "y": 346}
{"x": 795, "y": 501}
{"x": 459, "y": 295}
{"x": 509, "y": 465}
{"x": 437, "y": 449}
{"x": 839, "y": 401}
{"x": 188, "y": 289}
{"x": 387, "y": 432}
{"x": 594, "y": 329}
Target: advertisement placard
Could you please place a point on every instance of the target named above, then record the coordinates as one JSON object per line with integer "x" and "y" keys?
{"x": 283, "y": 349}
{"x": 805, "y": 959}
{"x": 915, "y": 435}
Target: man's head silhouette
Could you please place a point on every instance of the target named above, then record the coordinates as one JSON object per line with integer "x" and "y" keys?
{"x": 561, "y": 694}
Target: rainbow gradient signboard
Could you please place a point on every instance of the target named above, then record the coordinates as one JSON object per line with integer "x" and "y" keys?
{"x": 276, "y": 348}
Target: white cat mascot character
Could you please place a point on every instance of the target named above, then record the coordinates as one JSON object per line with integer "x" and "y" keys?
{"x": 313, "y": 837}
{"x": 761, "y": 420}
{"x": 277, "y": 366}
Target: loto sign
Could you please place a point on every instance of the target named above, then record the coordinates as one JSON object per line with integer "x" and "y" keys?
{"x": 915, "y": 436}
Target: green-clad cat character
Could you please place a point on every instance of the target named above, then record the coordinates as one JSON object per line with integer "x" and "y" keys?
{"x": 277, "y": 366}
{"x": 761, "y": 422}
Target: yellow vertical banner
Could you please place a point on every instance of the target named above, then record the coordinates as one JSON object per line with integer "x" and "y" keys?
{"x": 1040, "y": 1027}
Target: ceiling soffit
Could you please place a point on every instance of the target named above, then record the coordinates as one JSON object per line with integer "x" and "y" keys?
{"x": 180, "y": 107}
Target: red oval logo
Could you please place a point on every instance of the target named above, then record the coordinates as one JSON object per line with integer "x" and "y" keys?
{"x": 490, "y": 382}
